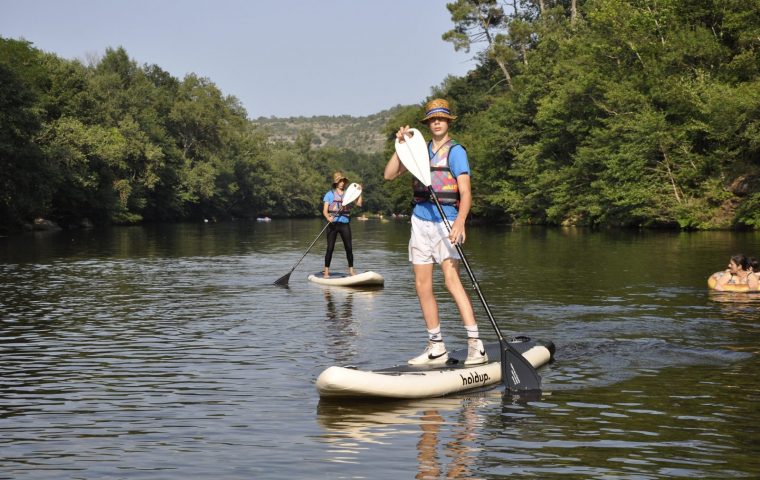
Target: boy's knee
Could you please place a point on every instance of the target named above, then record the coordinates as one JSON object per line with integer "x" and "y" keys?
{"x": 423, "y": 284}
{"x": 452, "y": 281}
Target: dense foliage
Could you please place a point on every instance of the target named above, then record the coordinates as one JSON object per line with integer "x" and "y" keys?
{"x": 595, "y": 112}
{"x": 118, "y": 143}
{"x": 612, "y": 112}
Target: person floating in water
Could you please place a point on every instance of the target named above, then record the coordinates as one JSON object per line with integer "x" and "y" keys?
{"x": 740, "y": 271}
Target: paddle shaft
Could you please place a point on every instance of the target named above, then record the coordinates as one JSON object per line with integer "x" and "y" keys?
{"x": 422, "y": 174}
{"x": 312, "y": 244}
{"x": 284, "y": 278}
{"x": 509, "y": 376}
{"x": 467, "y": 267}
{"x": 516, "y": 371}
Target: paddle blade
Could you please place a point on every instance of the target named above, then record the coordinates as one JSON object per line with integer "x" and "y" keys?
{"x": 283, "y": 280}
{"x": 353, "y": 192}
{"x": 517, "y": 373}
{"x": 413, "y": 153}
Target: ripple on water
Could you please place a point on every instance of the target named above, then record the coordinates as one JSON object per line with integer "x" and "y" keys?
{"x": 172, "y": 355}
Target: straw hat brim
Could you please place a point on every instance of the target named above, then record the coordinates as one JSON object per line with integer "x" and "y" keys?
{"x": 439, "y": 115}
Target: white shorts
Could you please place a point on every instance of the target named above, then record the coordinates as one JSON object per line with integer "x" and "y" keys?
{"x": 430, "y": 242}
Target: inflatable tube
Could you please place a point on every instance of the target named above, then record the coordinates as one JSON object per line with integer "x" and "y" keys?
{"x": 364, "y": 279}
{"x": 407, "y": 381}
{"x": 712, "y": 281}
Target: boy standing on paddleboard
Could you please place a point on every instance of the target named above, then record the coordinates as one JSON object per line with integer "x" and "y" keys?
{"x": 430, "y": 242}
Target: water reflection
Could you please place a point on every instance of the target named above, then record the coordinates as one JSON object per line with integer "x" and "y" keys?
{"x": 341, "y": 328}
{"x": 448, "y": 430}
{"x": 342, "y": 313}
{"x": 736, "y": 305}
{"x": 345, "y": 311}
{"x": 458, "y": 451}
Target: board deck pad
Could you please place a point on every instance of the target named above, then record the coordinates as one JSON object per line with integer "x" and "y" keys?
{"x": 331, "y": 276}
{"x": 364, "y": 279}
{"x": 457, "y": 358}
{"x": 427, "y": 381}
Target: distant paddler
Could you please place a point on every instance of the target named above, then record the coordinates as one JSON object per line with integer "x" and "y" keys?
{"x": 339, "y": 216}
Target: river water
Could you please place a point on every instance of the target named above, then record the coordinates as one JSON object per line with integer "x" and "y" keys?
{"x": 167, "y": 352}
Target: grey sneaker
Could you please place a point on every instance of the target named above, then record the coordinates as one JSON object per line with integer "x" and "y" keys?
{"x": 476, "y": 352}
{"x": 434, "y": 354}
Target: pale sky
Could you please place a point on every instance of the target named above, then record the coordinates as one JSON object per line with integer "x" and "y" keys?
{"x": 278, "y": 57}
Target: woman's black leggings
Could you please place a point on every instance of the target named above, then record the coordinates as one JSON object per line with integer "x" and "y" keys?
{"x": 344, "y": 229}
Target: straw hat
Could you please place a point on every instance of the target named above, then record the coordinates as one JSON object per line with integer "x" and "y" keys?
{"x": 337, "y": 177}
{"x": 438, "y": 108}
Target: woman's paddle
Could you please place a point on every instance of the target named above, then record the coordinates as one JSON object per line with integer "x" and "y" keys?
{"x": 352, "y": 193}
{"x": 517, "y": 373}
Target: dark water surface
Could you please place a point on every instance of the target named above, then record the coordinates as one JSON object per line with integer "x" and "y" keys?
{"x": 166, "y": 352}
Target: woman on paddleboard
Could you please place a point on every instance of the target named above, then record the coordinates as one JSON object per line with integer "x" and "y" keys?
{"x": 430, "y": 243}
{"x": 339, "y": 217}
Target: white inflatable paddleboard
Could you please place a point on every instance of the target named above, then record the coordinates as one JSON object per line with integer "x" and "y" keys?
{"x": 364, "y": 279}
{"x": 407, "y": 381}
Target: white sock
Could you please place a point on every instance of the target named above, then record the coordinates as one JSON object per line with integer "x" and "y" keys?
{"x": 435, "y": 334}
{"x": 472, "y": 331}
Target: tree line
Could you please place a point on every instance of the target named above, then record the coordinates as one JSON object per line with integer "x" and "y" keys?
{"x": 611, "y": 112}
{"x": 595, "y": 112}
{"x": 118, "y": 143}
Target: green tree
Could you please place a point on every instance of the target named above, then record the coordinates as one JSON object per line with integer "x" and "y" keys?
{"x": 478, "y": 21}
{"x": 628, "y": 113}
{"x": 26, "y": 180}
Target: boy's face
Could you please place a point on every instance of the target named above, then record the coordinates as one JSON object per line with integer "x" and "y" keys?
{"x": 438, "y": 126}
